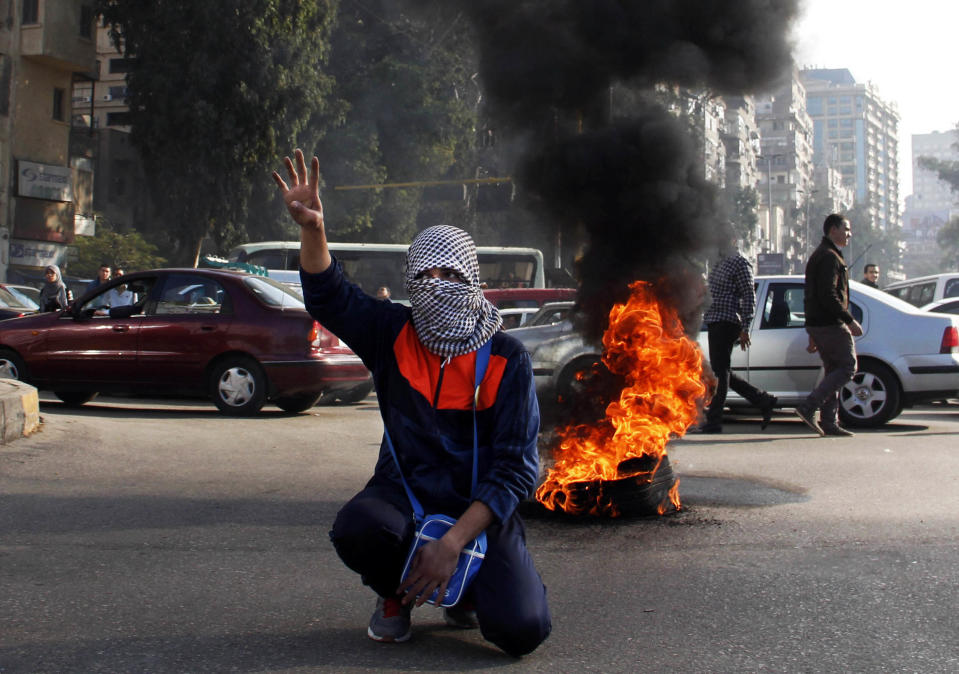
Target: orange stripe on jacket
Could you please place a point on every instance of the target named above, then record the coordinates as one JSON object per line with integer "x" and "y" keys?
{"x": 422, "y": 370}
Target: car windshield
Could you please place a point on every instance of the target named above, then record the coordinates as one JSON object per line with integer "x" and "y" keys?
{"x": 12, "y": 301}
{"x": 274, "y": 293}
{"x": 22, "y": 298}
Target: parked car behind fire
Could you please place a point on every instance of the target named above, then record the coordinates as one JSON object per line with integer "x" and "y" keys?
{"x": 906, "y": 356}
{"x": 239, "y": 338}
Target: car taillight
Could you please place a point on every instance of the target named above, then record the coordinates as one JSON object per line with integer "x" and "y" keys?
{"x": 321, "y": 338}
{"x": 950, "y": 340}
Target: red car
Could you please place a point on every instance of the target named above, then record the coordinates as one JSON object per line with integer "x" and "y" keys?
{"x": 239, "y": 338}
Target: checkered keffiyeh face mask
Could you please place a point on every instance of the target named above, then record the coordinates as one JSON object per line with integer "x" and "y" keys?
{"x": 451, "y": 318}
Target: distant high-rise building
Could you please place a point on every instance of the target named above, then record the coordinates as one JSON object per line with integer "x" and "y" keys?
{"x": 741, "y": 139}
{"x": 857, "y": 133}
{"x": 929, "y": 193}
{"x": 786, "y": 170}
{"x": 931, "y": 205}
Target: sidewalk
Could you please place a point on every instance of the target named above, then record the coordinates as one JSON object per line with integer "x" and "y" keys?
{"x": 19, "y": 410}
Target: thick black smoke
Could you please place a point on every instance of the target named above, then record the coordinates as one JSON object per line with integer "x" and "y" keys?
{"x": 635, "y": 185}
{"x": 637, "y": 188}
{"x": 542, "y": 54}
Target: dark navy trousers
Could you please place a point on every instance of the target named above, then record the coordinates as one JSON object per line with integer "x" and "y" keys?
{"x": 722, "y": 339}
{"x": 373, "y": 533}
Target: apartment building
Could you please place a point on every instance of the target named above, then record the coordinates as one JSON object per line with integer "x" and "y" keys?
{"x": 101, "y": 122}
{"x": 857, "y": 133}
{"x": 45, "y": 48}
{"x": 929, "y": 193}
{"x": 741, "y": 140}
{"x": 932, "y": 204}
{"x": 786, "y": 171}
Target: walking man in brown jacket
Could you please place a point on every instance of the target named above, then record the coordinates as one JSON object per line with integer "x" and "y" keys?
{"x": 830, "y": 326}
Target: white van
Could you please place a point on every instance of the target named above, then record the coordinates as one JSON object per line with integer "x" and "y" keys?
{"x": 925, "y": 289}
{"x": 372, "y": 265}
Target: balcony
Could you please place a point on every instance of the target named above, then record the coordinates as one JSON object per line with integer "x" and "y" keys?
{"x": 55, "y": 40}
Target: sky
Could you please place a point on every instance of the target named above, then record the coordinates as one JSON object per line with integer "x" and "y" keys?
{"x": 907, "y": 50}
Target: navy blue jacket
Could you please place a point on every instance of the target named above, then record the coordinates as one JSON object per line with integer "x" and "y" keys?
{"x": 427, "y": 404}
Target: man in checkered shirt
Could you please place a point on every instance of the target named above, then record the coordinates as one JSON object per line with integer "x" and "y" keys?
{"x": 727, "y": 319}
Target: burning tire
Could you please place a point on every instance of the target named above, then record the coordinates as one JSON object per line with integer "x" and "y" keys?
{"x": 872, "y": 397}
{"x": 638, "y": 495}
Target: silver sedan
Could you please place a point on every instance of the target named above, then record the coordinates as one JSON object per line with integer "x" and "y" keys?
{"x": 906, "y": 356}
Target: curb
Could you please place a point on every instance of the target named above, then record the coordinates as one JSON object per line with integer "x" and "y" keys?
{"x": 19, "y": 410}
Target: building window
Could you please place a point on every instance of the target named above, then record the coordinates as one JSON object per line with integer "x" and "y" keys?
{"x": 58, "y": 97}
{"x": 86, "y": 21}
{"x": 30, "y": 12}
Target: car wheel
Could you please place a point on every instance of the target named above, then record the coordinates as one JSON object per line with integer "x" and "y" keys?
{"x": 238, "y": 386}
{"x": 297, "y": 404}
{"x": 871, "y": 398}
{"x": 75, "y": 398}
{"x": 12, "y": 366}
{"x": 569, "y": 386}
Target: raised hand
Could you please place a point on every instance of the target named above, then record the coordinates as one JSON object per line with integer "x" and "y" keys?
{"x": 302, "y": 195}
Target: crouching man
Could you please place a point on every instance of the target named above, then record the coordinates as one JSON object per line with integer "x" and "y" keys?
{"x": 422, "y": 358}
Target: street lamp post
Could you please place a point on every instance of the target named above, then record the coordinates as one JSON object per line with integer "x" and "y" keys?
{"x": 807, "y": 197}
{"x": 769, "y": 195}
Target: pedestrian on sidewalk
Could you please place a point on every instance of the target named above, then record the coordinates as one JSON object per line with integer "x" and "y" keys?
{"x": 727, "y": 320}
{"x": 830, "y": 326}
{"x": 53, "y": 294}
{"x": 423, "y": 359}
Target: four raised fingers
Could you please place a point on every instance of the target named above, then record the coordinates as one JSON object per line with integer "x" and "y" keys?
{"x": 297, "y": 172}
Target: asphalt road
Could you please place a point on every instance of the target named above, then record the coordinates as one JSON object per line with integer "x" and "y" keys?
{"x": 160, "y": 536}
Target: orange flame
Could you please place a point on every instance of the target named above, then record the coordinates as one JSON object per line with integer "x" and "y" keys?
{"x": 662, "y": 368}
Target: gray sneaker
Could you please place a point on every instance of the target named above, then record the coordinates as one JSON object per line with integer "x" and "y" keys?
{"x": 808, "y": 417}
{"x": 391, "y": 621}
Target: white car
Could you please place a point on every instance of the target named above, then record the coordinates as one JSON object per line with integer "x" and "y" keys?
{"x": 946, "y": 306}
{"x": 906, "y": 356}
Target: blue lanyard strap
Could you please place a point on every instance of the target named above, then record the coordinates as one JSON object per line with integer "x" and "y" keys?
{"x": 482, "y": 360}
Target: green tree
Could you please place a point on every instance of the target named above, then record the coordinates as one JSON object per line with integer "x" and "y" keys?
{"x": 870, "y": 244}
{"x": 404, "y": 74}
{"x": 948, "y": 240}
{"x": 128, "y": 250}
{"x": 742, "y": 204}
{"x": 218, "y": 91}
{"x": 948, "y": 236}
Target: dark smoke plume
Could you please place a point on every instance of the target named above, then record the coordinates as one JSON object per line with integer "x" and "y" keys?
{"x": 543, "y": 54}
{"x": 635, "y": 186}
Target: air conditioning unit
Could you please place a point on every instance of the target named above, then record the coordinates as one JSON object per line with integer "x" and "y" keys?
{"x": 107, "y": 97}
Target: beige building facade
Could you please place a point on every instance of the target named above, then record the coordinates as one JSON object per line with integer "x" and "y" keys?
{"x": 45, "y": 47}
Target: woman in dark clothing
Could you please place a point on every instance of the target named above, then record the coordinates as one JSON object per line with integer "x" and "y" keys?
{"x": 53, "y": 294}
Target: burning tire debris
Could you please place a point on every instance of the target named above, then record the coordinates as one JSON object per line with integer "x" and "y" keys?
{"x": 601, "y": 468}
